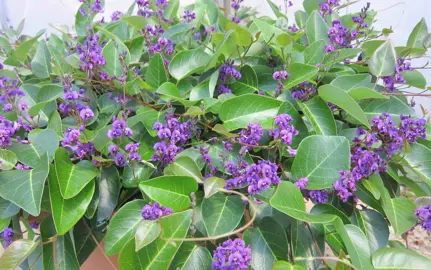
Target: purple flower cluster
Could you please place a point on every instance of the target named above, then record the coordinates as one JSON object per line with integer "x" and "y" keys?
{"x": 10, "y": 94}
{"x": 73, "y": 98}
{"x": 72, "y": 140}
{"x": 90, "y": 53}
{"x": 293, "y": 28}
{"x": 301, "y": 183}
{"x": 7, "y": 236}
{"x": 327, "y": 7}
{"x": 424, "y": 216}
{"x": 339, "y": 36}
{"x": 119, "y": 128}
{"x": 207, "y": 159}
{"x": 189, "y": 16}
{"x": 280, "y": 76}
{"x": 304, "y": 91}
{"x": 227, "y": 70}
{"x": 232, "y": 255}
{"x": 319, "y": 196}
{"x": 120, "y": 159}
{"x": 116, "y": 15}
{"x": 252, "y": 135}
{"x": 172, "y": 133}
{"x": 96, "y": 7}
{"x": 401, "y": 66}
{"x": 144, "y": 8}
{"x": 345, "y": 187}
{"x": 236, "y": 4}
{"x": 284, "y": 131}
{"x": 7, "y": 130}
{"x": 153, "y": 211}
{"x": 163, "y": 44}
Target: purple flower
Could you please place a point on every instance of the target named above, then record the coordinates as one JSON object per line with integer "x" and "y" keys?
{"x": 153, "y": 211}
{"x": 424, "y": 217}
{"x": 319, "y": 196}
{"x": 232, "y": 255}
{"x": 90, "y": 53}
{"x": 301, "y": 183}
{"x": 284, "y": 131}
{"x": 120, "y": 160}
{"x": 252, "y": 135}
{"x": 222, "y": 89}
{"x": 7, "y": 236}
{"x": 228, "y": 70}
{"x": 329, "y": 48}
{"x": 86, "y": 114}
{"x": 116, "y": 15}
{"x": 134, "y": 156}
{"x": 113, "y": 149}
{"x": 327, "y": 7}
{"x": 236, "y": 4}
{"x": 34, "y": 224}
{"x": 188, "y": 16}
{"x": 304, "y": 91}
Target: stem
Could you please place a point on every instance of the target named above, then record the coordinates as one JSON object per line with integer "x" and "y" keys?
{"x": 212, "y": 238}
{"x": 315, "y": 244}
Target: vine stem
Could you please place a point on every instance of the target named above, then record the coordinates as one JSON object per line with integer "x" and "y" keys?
{"x": 239, "y": 230}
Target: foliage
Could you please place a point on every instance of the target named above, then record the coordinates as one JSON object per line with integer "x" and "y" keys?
{"x": 188, "y": 140}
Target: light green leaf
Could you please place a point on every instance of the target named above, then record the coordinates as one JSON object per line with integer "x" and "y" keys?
{"x": 311, "y": 5}
{"x": 191, "y": 256}
{"x": 170, "y": 191}
{"x": 299, "y": 73}
{"x": 46, "y": 94}
{"x": 146, "y": 232}
{"x": 315, "y": 52}
{"x": 16, "y": 253}
{"x": 316, "y": 27}
{"x": 156, "y": 72}
{"x": 383, "y": 60}
{"x": 188, "y": 62}
{"x": 275, "y": 9}
{"x": 25, "y": 188}
{"x": 20, "y": 54}
{"x": 212, "y": 185}
{"x": 268, "y": 243}
{"x": 136, "y": 173}
{"x": 139, "y": 22}
{"x": 399, "y": 258}
{"x": 238, "y": 112}
{"x": 393, "y": 106}
{"x": 41, "y": 63}
{"x": 415, "y": 78}
{"x": 289, "y": 200}
{"x": 417, "y": 36}
{"x": 283, "y": 265}
{"x": 359, "y": 93}
{"x": 221, "y": 213}
{"x": 8, "y": 160}
{"x": 248, "y": 82}
{"x": 205, "y": 89}
{"x": 171, "y": 11}
{"x": 66, "y": 213}
{"x": 122, "y": 227}
{"x": 112, "y": 51}
{"x": 72, "y": 178}
{"x": 268, "y": 31}
{"x": 320, "y": 116}
{"x": 184, "y": 166}
{"x": 343, "y": 100}
{"x": 348, "y": 82}
{"x": 320, "y": 158}
{"x": 418, "y": 158}
{"x": 7, "y": 209}
{"x": 243, "y": 37}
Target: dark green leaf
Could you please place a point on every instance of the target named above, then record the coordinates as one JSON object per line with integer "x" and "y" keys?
{"x": 16, "y": 253}
{"x": 146, "y": 232}
{"x": 316, "y": 27}
{"x": 156, "y": 72}
{"x": 299, "y": 73}
{"x": 184, "y": 166}
{"x": 7, "y": 209}
{"x": 248, "y": 82}
{"x": 320, "y": 116}
{"x": 188, "y": 62}
{"x": 191, "y": 256}
{"x": 41, "y": 63}
{"x": 109, "y": 190}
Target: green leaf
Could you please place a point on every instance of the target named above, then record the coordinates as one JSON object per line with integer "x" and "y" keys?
{"x": 289, "y": 200}
{"x": 268, "y": 243}
{"x": 41, "y": 63}
{"x": 191, "y": 256}
{"x": 184, "y": 166}
{"x": 212, "y": 185}
{"x": 330, "y": 210}
{"x": 418, "y": 159}
{"x": 112, "y": 51}
{"x": 383, "y": 60}
{"x": 139, "y": 22}
{"x": 374, "y": 226}
{"x": 148, "y": 117}
{"x": 66, "y": 213}
{"x": 84, "y": 242}
{"x": 275, "y": 9}
{"x": 169, "y": 89}
{"x": 81, "y": 21}
{"x": 268, "y": 31}
{"x": 109, "y": 191}
{"x": 46, "y": 94}
{"x": 248, "y": 82}
{"x": 170, "y": 191}
{"x": 221, "y": 213}
{"x": 7, "y": 209}
{"x": 306, "y": 244}
{"x": 311, "y": 5}
{"x": 136, "y": 173}
{"x": 146, "y": 232}
{"x": 8, "y": 160}
{"x": 72, "y": 178}
{"x": 156, "y": 72}
{"x": 316, "y": 28}
{"x": 320, "y": 158}
{"x": 343, "y": 100}
{"x": 415, "y": 78}
{"x": 393, "y": 106}
{"x": 238, "y": 112}
{"x": 205, "y": 89}
{"x": 20, "y": 54}
{"x": 359, "y": 93}
{"x": 123, "y": 227}
{"x": 417, "y": 36}
{"x": 171, "y": 10}
{"x": 25, "y": 188}
{"x": 315, "y": 52}
{"x": 16, "y": 253}
{"x": 160, "y": 253}
{"x": 188, "y": 62}
{"x": 243, "y": 37}
{"x": 283, "y": 265}
{"x": 399, "y": 258}
{"x": 348, "y": 82}
{"x": 320, "y": 116}
{"x": 299, "y": 73}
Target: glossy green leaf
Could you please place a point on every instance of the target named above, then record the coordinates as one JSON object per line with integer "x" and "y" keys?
{"x": 383, "y": 60}
{"x": 268, "y": 32}
{"x": 212, "y": 185}
{"x": 122, "y": 227}
{"x": 146, "y": 232}
{"x": 188, "y": 62}
{"x": 16, "y": 253}
{"x": 136, "y": 173}
{"x": 306, "y": 243}
{"x": 31, "y": 153}
{"x": 316, "y": 27}
{"x": 299, "y": 73}
{"x": 25, "y": 188}
{"x": 315, "y": 52}
{"x": 242, "y": 36}
{"x": 171, "y": 11}
{"x": 348, "y": 82}
{"x": 268, "y": 243}
{"x": 72, "y": 178}
{"x": 392, "y": 106}
{"x": 7, "y": 209}
{"x": 289, "y": 200}
{"x": 160, "y": 253}
{"x": 417, "y": 36}
{"x": 184, "y": 166}
{"x": 320, "y": 116}
{"x": 320, "y": 158}
{"x": 221, "y": 213}
{"x": 283, "y": 265}
{"x": 238, "y": 112}
{"x": 156, "y": 72}
{"x": 399, "y": 258}
{"x": 47, "y": 93}
{"x": 66, "y": 213}
{"x": 330, "y": 210}
{"x": 112, "y": 51}
{"x": 8, "y": 159}
{"x": 191, "y": 256}
{"x": 374, "y": 226}
{"x": 343, "y": 100}
{"x": 415, "y": 78}
{"x": 20, "y": 54}
{"x": 85, "y": 244}
{"x": 41, "y": 63}
{"x": 170, "y": 191}
{"x": 205, "y": 89}
{"x": 248, "y": 82}
{"x": 418, "y": 159}
{"x": 109, "y": 191}
{"x": 359, "y": 93}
